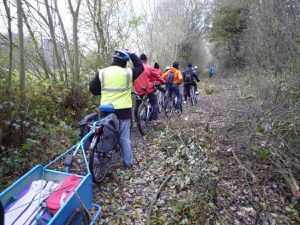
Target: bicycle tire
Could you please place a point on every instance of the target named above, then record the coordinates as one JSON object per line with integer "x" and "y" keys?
{"x": 75, "y": 217}
{"x": 175, "y": 105}
{"x": 169, "y": 107}
{"x": 164, "y": 100}
{"x": 159, "y": 102}
{"x": 143, "y": 119}
{"x": 192, "y": 95}
{"x": 196, "y": 100}
{"x": 100, "y": 171}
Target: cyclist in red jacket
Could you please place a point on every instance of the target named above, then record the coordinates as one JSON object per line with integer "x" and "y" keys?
{"x": 149, "y": 77}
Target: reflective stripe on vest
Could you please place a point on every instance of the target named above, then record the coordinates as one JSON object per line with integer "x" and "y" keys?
{"x": 116, "y": 84}
{"x": 104, "y": 88}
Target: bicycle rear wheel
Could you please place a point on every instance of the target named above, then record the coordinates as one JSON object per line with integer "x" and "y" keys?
{"x": 175, "y": 105}
{"x": 169, "y": 106}
{"x": 143, "y": 119}
{"x": 192, "y": 95}
{"x": 100, "y": 168}
{"x": 160, "y": 103}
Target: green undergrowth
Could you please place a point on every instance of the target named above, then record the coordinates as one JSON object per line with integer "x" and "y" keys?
{"x": 265, "y": 124}
{"x": 37, "y": 131}
{"x": 207, "y": 88}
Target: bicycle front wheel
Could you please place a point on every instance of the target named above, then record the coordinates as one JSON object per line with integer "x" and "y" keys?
{"x": 99, "y": 165}
{"x": 143, "y": 119}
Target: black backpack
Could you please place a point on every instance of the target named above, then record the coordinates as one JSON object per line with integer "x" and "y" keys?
{"x": 170, "y": 78}
{"x": 188, "y": 76}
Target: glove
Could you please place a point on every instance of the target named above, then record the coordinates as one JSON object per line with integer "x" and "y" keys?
{"x": 128, "y": 52}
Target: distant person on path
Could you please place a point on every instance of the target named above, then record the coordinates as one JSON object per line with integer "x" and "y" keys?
{"x": 114, "y": 84}
{"x": 189, "y": 79}
{"x": 147, "y": 79}
{"x": 212, "y": 71}
{"x": 173, "y": 79}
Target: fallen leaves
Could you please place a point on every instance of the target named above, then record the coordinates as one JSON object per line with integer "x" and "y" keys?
{"x": 213, "y": 181}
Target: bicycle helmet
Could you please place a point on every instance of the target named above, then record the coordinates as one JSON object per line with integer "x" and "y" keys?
{"x": 122, "y": 55}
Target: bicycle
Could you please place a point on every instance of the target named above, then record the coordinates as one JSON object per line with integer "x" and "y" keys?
{"x": 161, "y": 100}
{"x": 171, "y": 104}
{"x": 100, "y": 158}
{"x": 145, "y": 111}
{"x": 76, "y": 196}
{"x": 193, "y": 96}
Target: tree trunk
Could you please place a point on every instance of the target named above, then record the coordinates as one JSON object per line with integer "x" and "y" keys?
{"x": 21, "y": 52}
{"x": 76, "y": 50}
{"x": 37, "y": 48}
{"x": 66, "y": 41}
{"x": 75, "y": 14}
{"x": 7, "y": 10}
{"x": 55, "y": 46}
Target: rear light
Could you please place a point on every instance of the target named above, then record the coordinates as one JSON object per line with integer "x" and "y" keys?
{"x": 97, "y": 130}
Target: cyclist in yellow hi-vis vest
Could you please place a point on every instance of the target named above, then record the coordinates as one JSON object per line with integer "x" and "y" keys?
{"x": 114, "y": 84}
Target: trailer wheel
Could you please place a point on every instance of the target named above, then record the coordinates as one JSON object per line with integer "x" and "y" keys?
{"x": 76, "y": 215}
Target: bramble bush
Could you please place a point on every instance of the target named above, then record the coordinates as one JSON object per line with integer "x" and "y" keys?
{"x": 35, "y": 133}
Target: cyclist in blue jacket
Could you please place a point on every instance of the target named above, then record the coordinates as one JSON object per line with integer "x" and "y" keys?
{"x": 212, "y": 71}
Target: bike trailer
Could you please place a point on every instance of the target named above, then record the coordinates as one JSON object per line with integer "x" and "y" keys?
{"x": 74, "y": 206}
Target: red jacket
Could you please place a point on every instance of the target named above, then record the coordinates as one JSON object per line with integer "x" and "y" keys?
{"x": 149, "y": 77}
{"x": 159, "y": 72}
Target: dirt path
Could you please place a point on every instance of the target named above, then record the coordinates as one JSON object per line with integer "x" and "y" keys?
{"x": 126, "y": 195}
{"x": 210, "y": 181}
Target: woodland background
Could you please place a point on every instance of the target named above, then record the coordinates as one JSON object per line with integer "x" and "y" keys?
{"x": 50, "y": 50}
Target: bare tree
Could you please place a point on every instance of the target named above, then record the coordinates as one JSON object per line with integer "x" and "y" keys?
{"x": 108, "y": 26}
{"x": 41, "y": 57}
{"x": 66, "y": 42}
{"x": 165, "y": 31}
{"x": 21, "y": 52}
{"x": 7, "y": 10}
{"x": 75, "y": 14}
{"x": 54, "y": 41}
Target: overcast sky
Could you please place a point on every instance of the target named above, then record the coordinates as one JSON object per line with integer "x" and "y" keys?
{"x": 64, "y": 11}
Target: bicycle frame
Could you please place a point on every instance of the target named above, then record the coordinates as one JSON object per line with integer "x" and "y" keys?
{"x": 79, "y": 146}
{"x": 145, "y": 100}
{"x": 149, "y": 108}
{"x": 82, "y": 196}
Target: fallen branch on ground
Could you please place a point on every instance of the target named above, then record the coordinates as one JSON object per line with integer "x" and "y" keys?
{"x": 254, "y": 178}
{"x": 156, "y": 197}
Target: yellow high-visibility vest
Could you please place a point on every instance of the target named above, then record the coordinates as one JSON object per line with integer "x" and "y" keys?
{"x": 116, "y": 85}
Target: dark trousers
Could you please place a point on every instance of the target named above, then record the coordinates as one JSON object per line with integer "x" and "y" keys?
{"x": 153, "y": 101}
{"x": 186, "y": 87}
{"x": 1, "y": 213}
{"x": 174, "y": 88}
